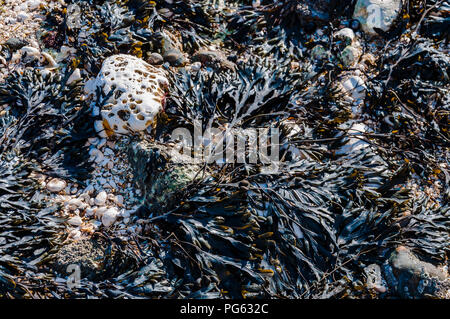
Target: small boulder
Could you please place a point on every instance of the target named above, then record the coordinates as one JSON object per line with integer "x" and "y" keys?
{"x": 413, "y": 278}
{"x": 379, "y": 14}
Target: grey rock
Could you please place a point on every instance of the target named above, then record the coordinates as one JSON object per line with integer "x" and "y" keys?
{"x": 155, "y": 59}
{"x": 160, "y": 174}
{"x": 97, "y": 259}
{"x": 377, "y": 14}
{"x": 15, "y": 44}
{"x": 374, "y": 278}
{"x": 415, "y": 278}
{"x": 214, "y": 59}
{"x": 174, "y": 57}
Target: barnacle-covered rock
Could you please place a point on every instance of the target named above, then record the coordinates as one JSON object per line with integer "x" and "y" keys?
{"x": 91, "y": 256}
{"x": 377, "y": 14}
{"x": 135, "y": 91}
{"x": 411, "y": 277}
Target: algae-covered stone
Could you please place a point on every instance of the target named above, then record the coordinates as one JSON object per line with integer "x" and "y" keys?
{"x": 160, "y": 175}
{"x": 350, "y": 55}
{"x": 416, "y": 278}
{"x": 95, "y": 258}
{"x": 319, "y": 53}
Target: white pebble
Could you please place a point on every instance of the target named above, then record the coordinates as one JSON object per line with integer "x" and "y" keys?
{"x": 90, "y": 212}
{"x": 34, "y": 4}
{"x": 22, "y": 16}
{"x": 56, "y": 185}
{"x": 100, "y": 200}
{"x": 75, "y": 234}
{"x": 75, "y": 76}
{"x": 75, "y": 221}
{"x": 110, "y": 216}
{"x": 100, "y": 211}
{"x": 89, "y": 189}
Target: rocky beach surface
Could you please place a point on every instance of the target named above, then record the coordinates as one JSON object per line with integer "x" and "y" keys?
{"x": 98, "y": 201}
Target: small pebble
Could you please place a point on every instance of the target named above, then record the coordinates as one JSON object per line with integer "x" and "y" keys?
{"x": 75, "y": 221}
{"x": 100, "y": 199}
{"x": 56, "y": 185}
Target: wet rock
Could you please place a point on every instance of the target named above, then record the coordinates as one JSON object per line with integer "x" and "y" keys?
{"x": 160, "y": 174}
{"x": 377, "y": 14}
{"x": 352, "y": 89}
{"x": 350, "y": 55}
{"x": 155, "y": 59}
{"x": 346, "y": 34}
{"x": 355, "y": 142}
{"x": 374, "y": 278}
{"x": 174, "y": 57}
{"x": 93, "y": 257}
{"x": 355, "y": 25}
{"x": 214, "y": 59}
{"x": 15, "y": 44}
{"x": 413, "y": 278}
{"x": 319, "y": 53}
{"x": 172, "y": 50}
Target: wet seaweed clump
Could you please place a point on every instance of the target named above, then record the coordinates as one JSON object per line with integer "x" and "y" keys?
{"x": 350, "y": 199}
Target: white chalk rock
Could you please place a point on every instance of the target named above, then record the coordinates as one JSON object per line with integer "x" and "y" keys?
{"x": 100, "y": 200}
{"x": 139, "y": 93}
{"x": 377, "y": 14}
{"x": 33, "y": 4}
{"x": 110, "y": 216}
{"x": 56, "y": 185}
